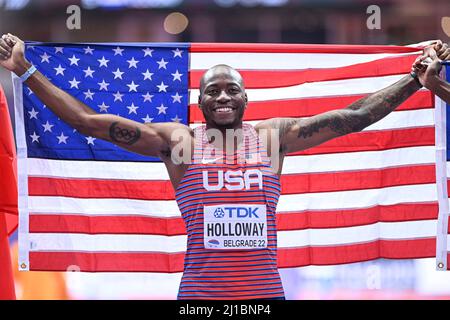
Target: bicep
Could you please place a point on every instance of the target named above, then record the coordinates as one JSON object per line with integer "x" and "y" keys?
{"x": 128, "y": 134}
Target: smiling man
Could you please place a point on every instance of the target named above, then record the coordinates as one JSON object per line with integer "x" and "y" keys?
{"x": 228, "y": 188}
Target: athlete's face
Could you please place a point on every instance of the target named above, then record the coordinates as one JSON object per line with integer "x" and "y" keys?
{"x": 222, "y": 97}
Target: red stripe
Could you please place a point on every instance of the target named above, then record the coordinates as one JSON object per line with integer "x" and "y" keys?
{"x": 298, "y": 48}
{"x": 287, "y": 257}
{"x": 291, "y": 184}
{"x": 307, "y": 107}
{"x": 374, "y": 141}
{"x": 257, "y": 79}
{"x": 46, "y": 223}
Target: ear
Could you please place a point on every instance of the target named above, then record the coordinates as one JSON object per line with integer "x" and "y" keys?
{"x": 199, "y": 101}
{"x": 246, "y": 99}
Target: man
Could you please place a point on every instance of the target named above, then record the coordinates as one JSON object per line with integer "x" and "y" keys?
{"x": 227, "y": 192}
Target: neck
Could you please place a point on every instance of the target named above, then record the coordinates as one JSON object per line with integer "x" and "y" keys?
{"x": 221, "y": 136}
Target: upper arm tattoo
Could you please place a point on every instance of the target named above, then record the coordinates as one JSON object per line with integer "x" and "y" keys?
{"x": 124, "y": 135}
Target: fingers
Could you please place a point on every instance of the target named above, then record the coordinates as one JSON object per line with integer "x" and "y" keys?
{"x": 443, "y": 52}
{"x": 5, "y": 48}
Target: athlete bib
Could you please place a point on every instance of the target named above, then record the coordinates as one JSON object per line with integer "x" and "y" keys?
{"x": 235, "y": 226}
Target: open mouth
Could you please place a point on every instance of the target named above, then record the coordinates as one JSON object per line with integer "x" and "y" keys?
{"x": 224, "y": 110}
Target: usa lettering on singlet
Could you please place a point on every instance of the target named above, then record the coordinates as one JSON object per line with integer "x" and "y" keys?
{"x": 228, "y": 206}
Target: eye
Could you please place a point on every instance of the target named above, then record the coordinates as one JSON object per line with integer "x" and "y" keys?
{"x": 212, "y": 92}
{"x": 235, "y": 90}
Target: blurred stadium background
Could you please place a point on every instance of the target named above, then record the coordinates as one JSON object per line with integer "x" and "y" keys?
{"x": 278, "y": 21}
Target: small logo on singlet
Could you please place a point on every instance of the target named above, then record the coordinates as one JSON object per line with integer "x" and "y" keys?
{"x": 213, "y": 243}
{"x": 219, "y": 213}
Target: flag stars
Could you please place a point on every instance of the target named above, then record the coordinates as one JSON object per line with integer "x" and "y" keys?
{"x": 45, "y": 58}
{"x": 74, "y": 83}
{"x": 60, "y": 70}
{"x": 74, "y": 60}
{"x": 34, "y": 137}
{"x": 147, "y": 75}
{"x": 103, "y": 85}
{"x": 88, "y": 72}
{"x": 147, "y": 119}
{"x": 132, "y": 86}
{"x": 33, "y": 114}
{"x": 161, "y": 109}
{"x": 48, "y": 127}
{"x": 103, "y": 62}
{"x": 162, "y": 87}
{"x": 118, "y": 74}
{"x": 117, "y": 96}
{"x": 103, "y": 107}
{"x": 90, "y": 140}
{"x": 147, "y": 97}
{"x": 132, "y": 63}
{"x": 59, "y": 49}
{"x": 88, "y": 95}
{"x": 132, "y": 109}
{"x": 176, "y": 98}
{"x": 148, "y": 52}
{"x": 177, "y": 53}
{"x": 62, "y": 138}
{"x": 162, "y": 64}
{"x": 118, "y": 51}
{"x": 88, "y": 50}
{"x": 177, "y": 76}
{"x": 176, "y": 119}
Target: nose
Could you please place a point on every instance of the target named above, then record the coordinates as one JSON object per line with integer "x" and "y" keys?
{"x": 223, "y": 97}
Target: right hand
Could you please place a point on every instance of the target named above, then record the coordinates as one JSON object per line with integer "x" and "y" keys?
{"x": 12, "y": 55}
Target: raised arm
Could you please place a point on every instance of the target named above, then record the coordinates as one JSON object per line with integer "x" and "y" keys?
{"x": 299, "y": 134}
{"x": 429, "y": 75}
{"x": 146, "y": 139}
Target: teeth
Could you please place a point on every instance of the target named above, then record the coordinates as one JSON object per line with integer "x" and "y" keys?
{"x": 225, "y": 109}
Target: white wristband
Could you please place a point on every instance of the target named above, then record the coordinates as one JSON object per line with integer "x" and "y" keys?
{"x": 28, "y": 73}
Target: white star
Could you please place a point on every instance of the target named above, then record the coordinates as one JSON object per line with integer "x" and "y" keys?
{"x": 177, "y": 75}
{"x": 132, "y": 63}
{"x": 147, "y": 75}
{"x": 62, "y": 138}
{"x": 132, "y": 86}
{"x": 47, "y": 126}
{"x": 74, "y": 60}
{"x": 147, "y": 97}
{"x": 117, "y": 96}
{"x": 103, "y": 107}
{"x": 162, "y": 87}
{"x": 103, "y": 85}
{"x": 59, "y": 70}
{"x": 176, "y": 119}
{"x": 59, "y": 49}
{"x": 90, "y": 140}
{"x": 162, "y": 63}
{"x": 88, "y": 72}
{"x": 29, "y": 92}
{"x": 132, "y": 108}
{"x": 161, "y": 109}
{"x": 177, "y": 53}
{"x": 176, "y": 98}
{"x": 118, "y": 51}
{"x": 35, "y": 137}
{"x": 74, "y": 83}
{"x": 147, "y": 52}
{"x": 118, "y": 74}
{"x": 147, "y": 119}
{"x": 89, "y": 95}
{"x": 45, "y": 57}
{"x": 33, "y": 114}
{"x": 88, "y": 50}
{"x": 103, "y": 62}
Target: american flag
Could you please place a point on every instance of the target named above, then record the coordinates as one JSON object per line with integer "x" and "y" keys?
{"x": 88, "y": 205}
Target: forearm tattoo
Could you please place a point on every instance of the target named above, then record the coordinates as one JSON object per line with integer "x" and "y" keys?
{"x": 122, "y": 135}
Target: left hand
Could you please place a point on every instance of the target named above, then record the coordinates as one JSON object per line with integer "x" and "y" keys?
{"x": 429, "y": 65}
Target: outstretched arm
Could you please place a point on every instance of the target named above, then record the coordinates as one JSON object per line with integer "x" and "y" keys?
{"x": 300, "y": 134}
{"x": 148, "y": 139}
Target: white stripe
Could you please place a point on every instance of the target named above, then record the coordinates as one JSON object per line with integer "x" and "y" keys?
{"x": 353, "y": 161}
{"x": 292, "y": 202}
{"x": 345, "y": 87}
{"x": 283, "y": 61}
{"x": 310, "y": 237}
{"x": 106, "y": 242}
{"x": 359, "y": 234}
{"x": 357, "y": 198}
{"x": 395, "y": 120}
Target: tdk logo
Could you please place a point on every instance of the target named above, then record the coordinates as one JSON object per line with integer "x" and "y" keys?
{"x": 236, "y": 212}
{"x": 234, "y": 180}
